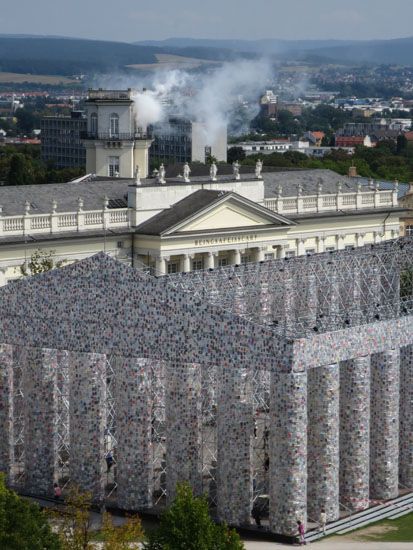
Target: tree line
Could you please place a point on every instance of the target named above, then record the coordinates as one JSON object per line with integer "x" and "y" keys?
{"x": 185, "y": 524}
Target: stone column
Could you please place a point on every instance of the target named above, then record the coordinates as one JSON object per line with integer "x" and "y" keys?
{"x": 300, "y": 247}
{"x": 384, "y": 432}
{"x": 87, "y": 421}
{"x": 355, "y": 432}
{"x": 360, "y": 239}
{"x": 183, "y": 427}
{"x": 236, "y": 257}
{"x": 323, "y": 441}
{"x": 209, "y": 260}
{"x": 234, "y": 432}
{"x": 260, "y": 254}
{"x": 132, "y": 393}
{"x": 288, "y": 451}
{"x": 6, "y": 412}
{"x": 281, "y": 251}
{"x": 160, "y": 266}
{"x": 340, "y": 242}
{"x": 186, "y": 263}
{"x": 40, "y": 426}
{"x": 406, "y": 417}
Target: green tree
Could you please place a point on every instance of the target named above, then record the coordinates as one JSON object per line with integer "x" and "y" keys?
{"x": 187, "y": 525}
{"x": 27, "y": 120}
{"x": 20, "y": 171}
{"x": 23, "y": 526}
{"x": 235, "y": 153}
{"x": 121, "y": 537}
{"x": 40, "y": 262}
{"x": 74, "y": 522}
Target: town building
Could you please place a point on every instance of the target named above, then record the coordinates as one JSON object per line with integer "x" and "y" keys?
{"x": 61, "y": 142}
{"x": 115, "y": 142}
{"x": 185, "y": 224}
{"x": 314, "y": 137}
{"x": 263, "y": 147}
{"x": 179, "y": 139}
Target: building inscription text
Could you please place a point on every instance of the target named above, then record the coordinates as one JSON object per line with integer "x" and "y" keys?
{"x": 232, "y": 239}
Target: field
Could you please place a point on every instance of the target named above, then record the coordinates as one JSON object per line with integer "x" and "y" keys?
{"x": 19, "y": 78}
{"x": 170, "y": 61}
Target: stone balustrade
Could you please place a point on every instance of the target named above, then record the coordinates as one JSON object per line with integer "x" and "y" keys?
{"x": 324, "y": 202}
{"x": 29, "y": 224}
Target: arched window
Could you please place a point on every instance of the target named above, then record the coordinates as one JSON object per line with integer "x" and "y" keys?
{"x": 94, "y": 123}
{"x": 114, "y": 125}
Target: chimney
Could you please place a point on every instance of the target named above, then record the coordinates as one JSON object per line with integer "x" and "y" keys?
{"x": 352, "y": 171}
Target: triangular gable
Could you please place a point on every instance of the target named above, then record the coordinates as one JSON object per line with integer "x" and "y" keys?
{"x": 230, "y": 212}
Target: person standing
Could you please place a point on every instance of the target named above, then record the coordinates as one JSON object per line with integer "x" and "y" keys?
{"x": 323, "y": 521}
{"x": 57, "y": 491}
{"x": 301, "y": 532}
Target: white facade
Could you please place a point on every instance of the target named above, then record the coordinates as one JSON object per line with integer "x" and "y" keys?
{"x": 115, "y": 144}
{"x": 231, "y": 233}
{"x": 263, "y": 147}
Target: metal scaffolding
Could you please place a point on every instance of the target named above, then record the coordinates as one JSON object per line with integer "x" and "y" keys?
{"x": 317, "y": 293}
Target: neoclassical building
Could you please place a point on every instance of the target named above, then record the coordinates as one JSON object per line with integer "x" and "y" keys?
{"x": 181, "y": 225}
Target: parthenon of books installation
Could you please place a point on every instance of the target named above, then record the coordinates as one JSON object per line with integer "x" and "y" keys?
{"x": 287, "y": 378}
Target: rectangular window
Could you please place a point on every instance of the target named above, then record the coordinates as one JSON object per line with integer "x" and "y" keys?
{"x": 120, "y": 244}
{"x": 172, "y": 268}
{"x": 245, "y": 259}
{"x": 289, "y": 254}
{"x": 197, "y": 265}
{"x": 269, "y": 256}
{"x": 113, "y": 167}
{"x": 222, "y": 262}
{"x": 330, "y": 248}
{"x": 310, "y": 251}
{"x": 349, "y": 247}
{"x": 409, "y": 229}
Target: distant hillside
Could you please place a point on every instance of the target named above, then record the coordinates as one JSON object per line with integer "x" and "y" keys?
{"x": 67, "y": 56}
{"x": 398, "y": 51}
{"x": 256, "y": 46}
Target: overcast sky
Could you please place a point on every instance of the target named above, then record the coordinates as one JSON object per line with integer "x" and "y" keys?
{"x": 133, "y": 20}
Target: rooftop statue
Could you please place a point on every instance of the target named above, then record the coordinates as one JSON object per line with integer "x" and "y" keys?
{"x": 235, "y": 168}
{"x": 187, "y": 172}
{"x": 213, "y": 171}
{"x": 161, "y": 174}
{"x": 258, "y": 169}
{"x": 137, "y": 176}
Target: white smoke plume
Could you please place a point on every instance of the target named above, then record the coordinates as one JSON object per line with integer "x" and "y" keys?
{"x": 215, "y": 97}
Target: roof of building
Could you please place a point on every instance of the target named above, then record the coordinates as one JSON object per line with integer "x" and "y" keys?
{"x": 309, "y": 180}
{"x": 191, "y": 205}
{"x": 94, "y": 190}
{"x": 13, "y": 197}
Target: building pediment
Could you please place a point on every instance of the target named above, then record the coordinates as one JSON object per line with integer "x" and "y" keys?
{"x": 207, "y": 210}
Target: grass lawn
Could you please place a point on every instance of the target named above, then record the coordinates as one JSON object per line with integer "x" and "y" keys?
{"x": 396, "y": 530}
